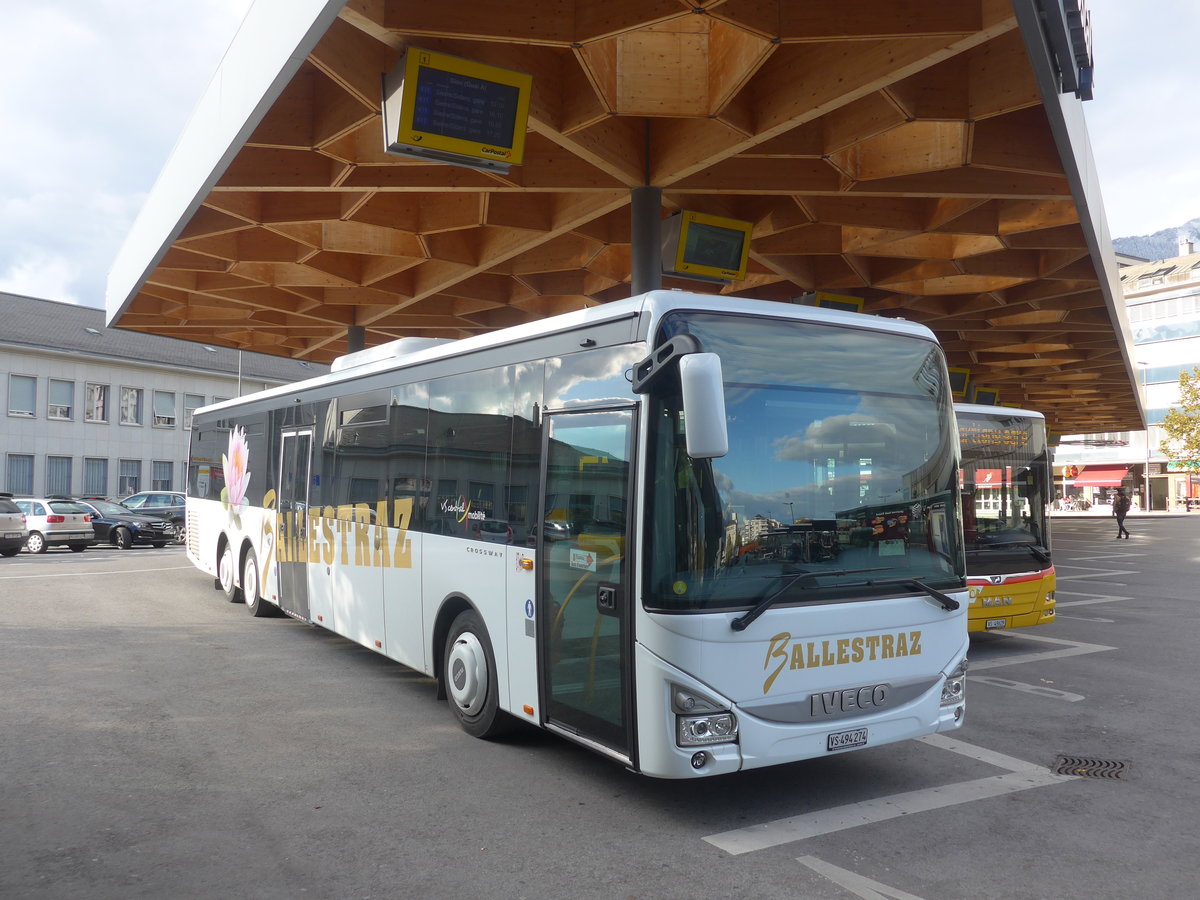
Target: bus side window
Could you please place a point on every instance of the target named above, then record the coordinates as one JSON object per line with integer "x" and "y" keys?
{"x": 409, "y": 434}
{"x": 470, "y": 445}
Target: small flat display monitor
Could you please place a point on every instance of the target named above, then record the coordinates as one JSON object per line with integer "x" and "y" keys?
{"x": 986, "y": 396}
{"x": 959, "y": 379}
{"x": 452, "y": 110}
{"x": 844, "y": 302}
{"x": 705, "y": 248}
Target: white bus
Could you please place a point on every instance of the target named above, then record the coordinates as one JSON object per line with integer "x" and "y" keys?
{"x": 694, "y": 534}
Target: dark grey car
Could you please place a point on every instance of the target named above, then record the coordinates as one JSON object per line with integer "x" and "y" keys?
{"x": 171, "y": 505}
{"x": 123, "y": 528}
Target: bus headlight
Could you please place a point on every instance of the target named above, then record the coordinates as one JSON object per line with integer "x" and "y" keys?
{"x": 700, "y": 720}
{"x": 694, "y": 731}
{"x": 954, "y": 688}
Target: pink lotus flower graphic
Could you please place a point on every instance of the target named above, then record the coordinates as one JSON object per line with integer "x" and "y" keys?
{"x": 236, "y": 464}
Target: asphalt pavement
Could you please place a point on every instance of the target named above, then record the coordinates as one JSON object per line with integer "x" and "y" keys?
{"x": 159, "y": 742}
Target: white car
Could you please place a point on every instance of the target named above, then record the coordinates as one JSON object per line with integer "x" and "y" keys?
{"x": 56, "y": 523}
{"x": 13, "y": 530}
{"x": 494, "y": 531}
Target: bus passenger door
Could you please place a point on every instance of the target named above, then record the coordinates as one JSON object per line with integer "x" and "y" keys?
{"x": 294, "y": 477}
{"x": 583, "y": 580}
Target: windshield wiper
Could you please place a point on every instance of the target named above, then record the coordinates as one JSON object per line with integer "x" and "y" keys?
{"x": 740, "y": 623}
{"x": 1042, "y": 555}
{"x": 945, "y": 601}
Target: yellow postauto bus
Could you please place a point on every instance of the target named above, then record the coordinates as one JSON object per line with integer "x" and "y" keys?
{"x": 1005, "y": 469}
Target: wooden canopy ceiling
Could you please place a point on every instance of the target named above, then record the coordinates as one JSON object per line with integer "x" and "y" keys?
{"x": 898, "y": 151}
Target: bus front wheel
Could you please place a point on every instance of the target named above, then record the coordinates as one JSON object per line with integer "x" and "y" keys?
{"x": 469, "y": 674}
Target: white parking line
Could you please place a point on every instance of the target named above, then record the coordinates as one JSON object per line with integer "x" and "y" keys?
{"x": 1092, "y": 599}
{"x": 1069, "y": 648}
{"x": 1021, "y": 776}
{"x": 859, "y": 885}
{"x": 125, "y": 572}
{"x": 1098, "y": 573}
{"x": 1029, "y": 688}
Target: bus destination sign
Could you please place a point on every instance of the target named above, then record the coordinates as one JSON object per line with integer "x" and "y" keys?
{"x": 994, "y": 434}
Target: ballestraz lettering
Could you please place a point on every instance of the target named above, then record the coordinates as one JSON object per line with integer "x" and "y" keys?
{"x": 782, "y": 653}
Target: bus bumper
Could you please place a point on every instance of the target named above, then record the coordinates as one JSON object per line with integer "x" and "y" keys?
{"x": 763, "y": 743}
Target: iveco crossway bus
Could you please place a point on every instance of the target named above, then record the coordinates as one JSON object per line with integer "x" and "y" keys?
{"x": 694, "y": 534}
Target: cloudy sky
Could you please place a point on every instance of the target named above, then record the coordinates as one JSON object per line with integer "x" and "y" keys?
{"x": 97, "y": 91}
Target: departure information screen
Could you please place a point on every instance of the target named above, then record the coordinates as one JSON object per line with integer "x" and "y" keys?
{"x": 465, "y": 108}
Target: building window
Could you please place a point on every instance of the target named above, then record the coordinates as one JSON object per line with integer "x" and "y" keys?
{"x": 164, "y": 409}
{"x": 96, "y": 407}
{"x": 162, "y": 476}
{"x": 62, "y": 400}
{"x": 22, "y": 395}
{"x": 129, "y": 480}
{"x": 191, "y": 403}
{"x": 58, "y": 475}
{"x": 95, "y": 477}
{"x": 20, "y": 474}
{"x": 131, "y": 406}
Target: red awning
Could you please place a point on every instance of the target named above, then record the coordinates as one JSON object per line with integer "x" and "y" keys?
{"x": 1100, "y": 476}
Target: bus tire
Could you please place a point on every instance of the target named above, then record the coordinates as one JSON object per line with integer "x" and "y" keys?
{"x": 226, "y": 569}
{"x": 257, "y": 605}
{"x": 469, "y": 674}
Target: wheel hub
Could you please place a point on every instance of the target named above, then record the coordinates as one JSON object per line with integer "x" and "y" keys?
{"x": 468, "y": 674}
{"x": 225, "y": 570}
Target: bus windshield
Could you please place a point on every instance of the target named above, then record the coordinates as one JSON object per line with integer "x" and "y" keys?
{"x": 841, "y": 478}
{"x": 1004, "y": 478}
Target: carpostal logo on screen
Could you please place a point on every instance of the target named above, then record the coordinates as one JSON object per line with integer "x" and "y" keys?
{"x": 784, "y": 653}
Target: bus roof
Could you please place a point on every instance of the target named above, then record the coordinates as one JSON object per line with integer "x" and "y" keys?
{"x": 998, "y": 412}
{"x": 649, "y": 307}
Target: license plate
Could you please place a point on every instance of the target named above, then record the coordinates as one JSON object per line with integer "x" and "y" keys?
{"x": 996, "y": 623}
{"x": 844, "y": 740}
{"x": 12, "y": 534}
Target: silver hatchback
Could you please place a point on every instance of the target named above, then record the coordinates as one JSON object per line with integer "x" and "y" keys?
{"x": 13, "y": 530}
{"x": 56, "y": 523}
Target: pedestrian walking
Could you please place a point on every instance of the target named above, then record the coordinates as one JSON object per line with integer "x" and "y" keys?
{"x": 1120, "y": 508}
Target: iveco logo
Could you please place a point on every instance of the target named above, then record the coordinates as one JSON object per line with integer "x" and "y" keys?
{"x": 865, "y": 699}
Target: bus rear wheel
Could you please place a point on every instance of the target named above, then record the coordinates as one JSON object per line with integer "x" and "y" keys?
{"x": 469, "y": 674}
{"x": 226, "y": 567}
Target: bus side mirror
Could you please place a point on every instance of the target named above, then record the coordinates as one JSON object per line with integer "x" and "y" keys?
{"x": 703, "y": 405}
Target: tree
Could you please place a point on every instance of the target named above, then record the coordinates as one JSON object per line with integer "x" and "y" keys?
{"x": 1182, "y": 423}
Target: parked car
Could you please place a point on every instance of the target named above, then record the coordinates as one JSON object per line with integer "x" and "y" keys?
{"x": 168, "y": 504}
{"x": 56, "y": 523}
{"x": 13, "y": 530}
{"x": 123, "y": 527}
{"x": 494, "y": 531}
{"x": 552, "y": 530}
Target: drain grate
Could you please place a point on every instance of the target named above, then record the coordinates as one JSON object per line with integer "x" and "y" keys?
{"x": 1091, "y": 768}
